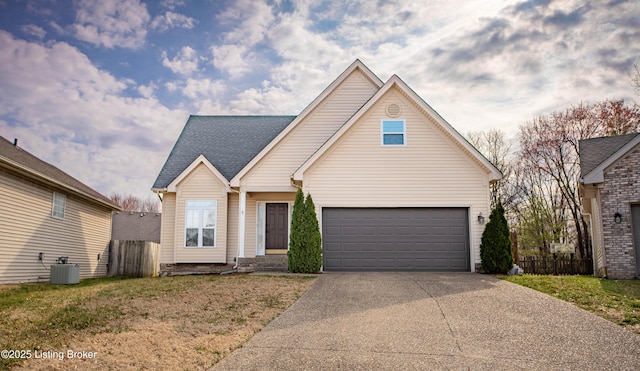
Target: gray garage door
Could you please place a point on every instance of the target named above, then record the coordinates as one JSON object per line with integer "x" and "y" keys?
{"x": 395, "y": 239}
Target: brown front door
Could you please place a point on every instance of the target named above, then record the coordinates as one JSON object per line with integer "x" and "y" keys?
{"x": 277, "y": 230}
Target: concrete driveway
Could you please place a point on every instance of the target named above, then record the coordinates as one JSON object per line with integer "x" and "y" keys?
{"x": 418, "y": 321}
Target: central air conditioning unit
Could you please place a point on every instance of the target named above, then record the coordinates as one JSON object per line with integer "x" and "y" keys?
{"x": 65, "y": 274}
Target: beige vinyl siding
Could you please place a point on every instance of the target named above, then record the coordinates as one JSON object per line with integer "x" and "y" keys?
{"x": 201, "y": 184}
{"x": 168, "y": 229}
{"x": 27, "y": 228}
{"x": 277, "y": 166}
{"x": 430, "y": 171}
{"x": 232, "y": 227}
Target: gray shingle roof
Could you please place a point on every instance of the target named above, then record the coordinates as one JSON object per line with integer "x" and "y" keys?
{"x": 228, "y": 142}
{"x": 38, "y": 168}
{"x": 595, "y": 151}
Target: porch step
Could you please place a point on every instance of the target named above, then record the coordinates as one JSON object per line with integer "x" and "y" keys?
{"x": 272, "y": 263}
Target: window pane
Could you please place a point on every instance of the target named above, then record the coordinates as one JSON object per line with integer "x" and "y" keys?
{"x": 393, "y": 139}
{"x": 58, "y": 205}
{"x": 192, "y": 237}
{"x": 208, "y": 237}
{"x": 193, "y": 218}
{"x": 209, "y": 219}
{"x": 393, "y": 127}
{"x": 201, "y": 204}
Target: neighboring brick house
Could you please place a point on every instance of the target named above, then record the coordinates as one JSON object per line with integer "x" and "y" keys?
{"x": 611, "y": 193}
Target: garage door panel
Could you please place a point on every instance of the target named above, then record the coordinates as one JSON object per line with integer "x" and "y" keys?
{"x": 330, "y": 247}
{"x": 396, "y": 239}
{"x": 368, "y": 231}
{"x": 333, "y": 231}
{"x": 459, "y": 247}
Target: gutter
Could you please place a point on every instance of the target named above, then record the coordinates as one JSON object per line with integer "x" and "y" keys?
{"x": 51, "y": 181}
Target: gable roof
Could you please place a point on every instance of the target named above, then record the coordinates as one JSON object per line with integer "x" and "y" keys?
{"x": 357, "y": 65}
{"x": 596, "y": 154}
{"x": 227, "y": 142}
{"x": 20, "y": 161}
{"x": 395, "y": 81}
{"x": 201, "y": 160}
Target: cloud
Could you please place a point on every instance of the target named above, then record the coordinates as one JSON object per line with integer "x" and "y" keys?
{"x": 184, "y": 63}
{"x": 33, "y": 30}
{"x": 81, "y": 119}
{"x": 235, "y": 60}
{"x": 235, "y": 55}
{"x": 147, "y": 90}
{"x": 202, "y": 88}
{"x": 170, "y": 20}
{"x": 532, "y": 57}
{"x": 111, "y": 23}
{"x": 172, "y": 4}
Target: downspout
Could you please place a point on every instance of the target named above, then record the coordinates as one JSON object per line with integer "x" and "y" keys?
{"x": 293, "y": 183}
{"x": 158, "y": 193}
{"x": 238, "y": 249}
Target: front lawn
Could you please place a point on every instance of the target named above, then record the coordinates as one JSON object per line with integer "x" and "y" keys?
{"x": 615, "y": 300}
{"x": 188, "y": 322}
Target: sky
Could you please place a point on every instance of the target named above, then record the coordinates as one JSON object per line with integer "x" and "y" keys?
{"x": 102, "y": 89}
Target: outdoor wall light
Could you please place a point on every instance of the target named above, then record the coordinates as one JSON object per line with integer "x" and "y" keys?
{"x": 480, "y": 218}
{"x": 618, "y": 218}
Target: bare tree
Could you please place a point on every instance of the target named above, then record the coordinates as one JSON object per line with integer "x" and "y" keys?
{"x": 635, "y": 78}
{"x": 538, "y": 210}
{"x": 129, "y": 202}
{"x": 549, "y": 145}
{"x": 495, "y": 146}
{"x": 150, "y": 205}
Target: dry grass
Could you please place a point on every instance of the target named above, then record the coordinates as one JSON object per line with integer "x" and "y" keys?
{"x": 188, "y": 322}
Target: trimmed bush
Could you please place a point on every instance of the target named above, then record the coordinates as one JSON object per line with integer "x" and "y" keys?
{"x": 495, "y": 248}
{"x": 297, "y": 235}
{"x": 313, "y": 250}
{"x": 305, "y": 242}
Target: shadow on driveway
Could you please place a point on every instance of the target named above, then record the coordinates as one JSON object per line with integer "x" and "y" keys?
{"x": 433, "y": 321}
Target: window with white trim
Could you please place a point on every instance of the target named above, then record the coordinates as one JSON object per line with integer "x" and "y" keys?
{"x": 393, "y": 132}
{"x": 58, "y": 205}
{"x": 200, "y": 223}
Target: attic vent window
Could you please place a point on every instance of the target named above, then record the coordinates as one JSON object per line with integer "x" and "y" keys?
{"x": 393, "y": 132}
{"x": 393, "y": 110}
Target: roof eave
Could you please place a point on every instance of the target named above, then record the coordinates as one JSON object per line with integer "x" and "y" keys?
{"x": 172, "y": 187}
{"x": 494, "y": 173}
{"x": 597, "y": 175}
{"x": 32, "y": 174}
{"x": 356, "y": 65}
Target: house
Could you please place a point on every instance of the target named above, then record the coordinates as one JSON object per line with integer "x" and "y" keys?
{"x": 610, "y": 187}
{"x": 46, "y": 214}
{"x": 395, "y": 186}
{"x": 136, "y": 226}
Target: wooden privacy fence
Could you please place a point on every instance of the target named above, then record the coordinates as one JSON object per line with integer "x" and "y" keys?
{"x": 134, "y": 258}
{"x": 557, "y": 264}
